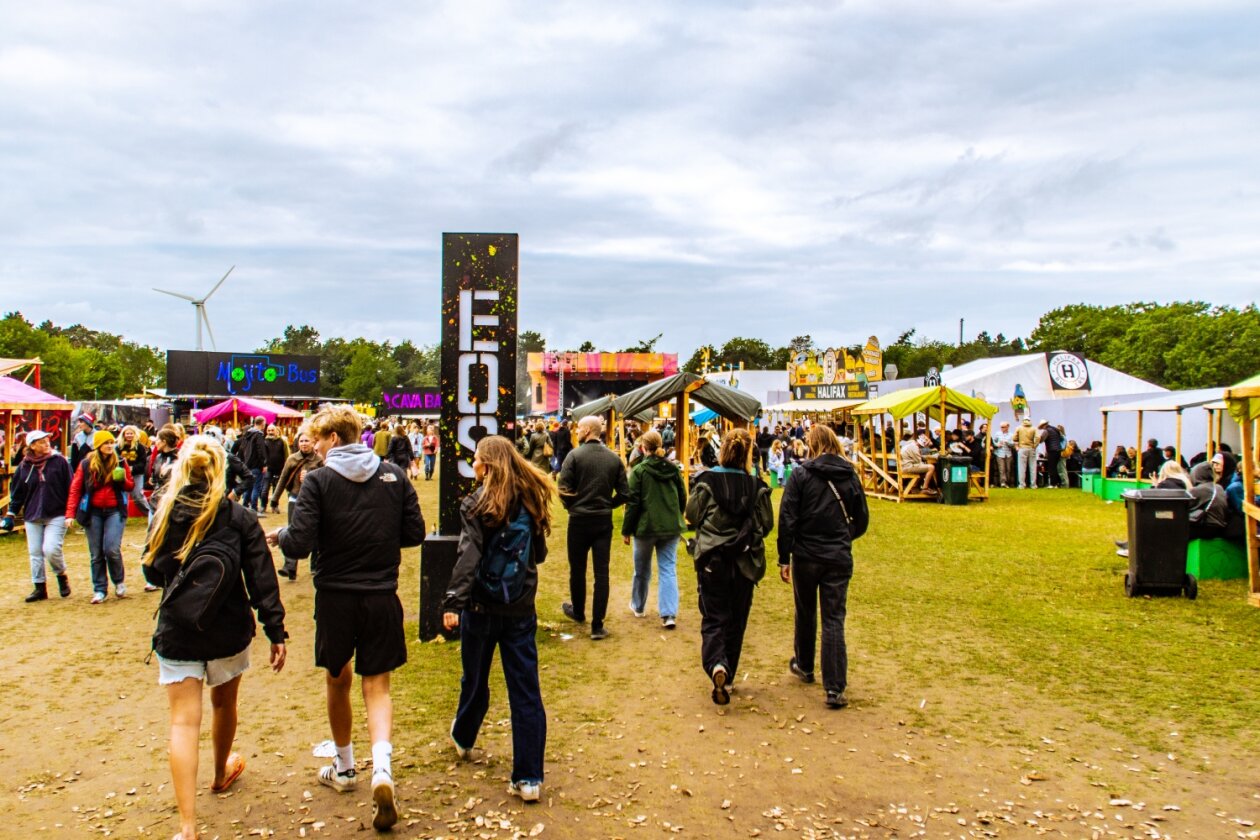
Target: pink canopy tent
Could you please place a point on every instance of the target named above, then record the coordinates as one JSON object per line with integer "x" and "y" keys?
{"x": 15, "y": 394}
{"x": 22, "y": 408}
{"x": 246, "y": 407}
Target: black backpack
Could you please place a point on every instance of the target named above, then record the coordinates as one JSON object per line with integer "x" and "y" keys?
{"x": 504, "y": 568}
{"x": 192, "y": 599}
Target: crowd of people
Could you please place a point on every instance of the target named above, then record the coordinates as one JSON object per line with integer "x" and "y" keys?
{"x": 352, "y": 507}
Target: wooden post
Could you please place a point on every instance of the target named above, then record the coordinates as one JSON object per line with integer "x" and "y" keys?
{"x": 1105, "y": 451}
{"x": 1249, "y": 509}
{"x": 681, "y": 446}
{"x": 988, "y": 453}
{"x": 1138, "y": 470}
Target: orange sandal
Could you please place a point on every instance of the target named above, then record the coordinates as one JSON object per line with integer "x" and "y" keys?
{"x": 234, "y": 768}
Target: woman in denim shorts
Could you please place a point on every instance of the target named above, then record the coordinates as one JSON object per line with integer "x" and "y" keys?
{"x": 195, "y": 519}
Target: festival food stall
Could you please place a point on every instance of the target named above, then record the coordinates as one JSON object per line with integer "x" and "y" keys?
{"x": 732, "y": 405}
{"x": 1244, "y": 406}
{"x": 880, "y": 418}
{"x": 22, "y": 409}
{"x": 234, "y": 409}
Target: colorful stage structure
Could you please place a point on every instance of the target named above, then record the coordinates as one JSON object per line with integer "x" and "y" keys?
{"x": 561, "y": 381}
{"x": 24, "y": 408}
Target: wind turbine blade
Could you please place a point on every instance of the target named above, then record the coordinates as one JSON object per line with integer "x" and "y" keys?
{"x": 177, "y": 294}
{"x": 217, "y": 285}
{"x": 206, "y": 320}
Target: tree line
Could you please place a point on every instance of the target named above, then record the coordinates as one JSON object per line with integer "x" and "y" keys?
{"x": 1187, "y": 344}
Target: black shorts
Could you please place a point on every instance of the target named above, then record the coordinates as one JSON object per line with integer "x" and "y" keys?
{"x": 367, "y": 626}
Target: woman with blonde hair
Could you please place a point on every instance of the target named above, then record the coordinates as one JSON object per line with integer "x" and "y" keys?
{"x": 195, "y": 522}
{"x": 98, "y": 502}
{"x": 506, "y": 522}
{"x": 731, "y": 512}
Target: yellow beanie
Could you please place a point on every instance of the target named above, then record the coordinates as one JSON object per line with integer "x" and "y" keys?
{"x": 100, "y": 438}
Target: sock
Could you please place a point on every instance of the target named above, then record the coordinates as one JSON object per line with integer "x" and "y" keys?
{"x": 345, "y": 758}
{"x": 381, "y": 753}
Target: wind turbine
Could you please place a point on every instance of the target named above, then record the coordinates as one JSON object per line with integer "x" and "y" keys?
{"x": 200, "y": 307}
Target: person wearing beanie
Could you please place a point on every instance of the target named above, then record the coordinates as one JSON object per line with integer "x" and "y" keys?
{"x": 40, "y": 488}
{"x": 98, "y": 502}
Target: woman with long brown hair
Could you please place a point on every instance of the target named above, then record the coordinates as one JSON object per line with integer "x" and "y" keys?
{"x": 195, "y": 516}
{"x": 731, "y": 512}
{"x": 490, "y": 599}
{"x": 98, "y": 502}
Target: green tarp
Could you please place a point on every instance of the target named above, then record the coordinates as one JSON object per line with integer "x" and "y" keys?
{"x": 1243, "y": 408}
{"x": 914, "y": 400}
{"x": 728, "y": 402}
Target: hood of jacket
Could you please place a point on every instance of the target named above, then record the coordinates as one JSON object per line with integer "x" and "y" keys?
{"x": 659, "y": 468}
{"x": 733, "y": 491}
{"x": 829, "y": 467}
{"x": 353, "y": 461}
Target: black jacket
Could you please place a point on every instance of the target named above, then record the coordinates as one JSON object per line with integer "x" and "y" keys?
{"x": 361, "y": 527}
{"x": 255, "y": 586}
{"x": 562, "y": 443}
{"x": 136, "y": 456}
{"x": 463, "y": 592}
{"x": 812, "y": 524}
{"x": 399, "y": 451}
{"x": 277, "y": 453}
{"x": 251, "y": 448}
{"x": 42, "y": 492}
{"x": 592, "y": 482}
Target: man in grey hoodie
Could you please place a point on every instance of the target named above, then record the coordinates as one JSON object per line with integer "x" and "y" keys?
{"x": 361, "y": 511}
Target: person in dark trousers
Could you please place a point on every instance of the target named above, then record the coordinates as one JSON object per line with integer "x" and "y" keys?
{"x": 561, "y": 445}
{"x": 277, "y": 454}
{"x": 194, "y": 511}
{"x": 1052, "y": 438}
{"x": 305, "y": 460}
{"x": 361, "y": 511}
{"x": 592, "y": 483}
{"x": 81, "y": 443}
{"x": 823, "y": 510}
{"x": 136, "y": 454}
{"x": 251, "y": 449}
{"x": 509, "y": 484}
{"x": 41, "y": 488}
{"x": 765, "y": 439}
{"x": 732, "y": 514}
{"x": 399, "y": 451}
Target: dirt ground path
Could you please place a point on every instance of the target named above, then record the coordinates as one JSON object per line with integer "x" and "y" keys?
{"x": 635, "y": 747}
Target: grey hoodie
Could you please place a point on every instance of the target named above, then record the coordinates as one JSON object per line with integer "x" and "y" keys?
{"x": 353, "y": 461}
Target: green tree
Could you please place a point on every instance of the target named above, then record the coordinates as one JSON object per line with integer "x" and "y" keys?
{"x": 368, "y": 372}
{"x": 648, "y": 346}
{"x": 297, "y": 341}
{"x": 587, "y": 347}
{"x": 753, "y": 352}
{"x": 696, "y": 363}
{"x": 527, "y": 341}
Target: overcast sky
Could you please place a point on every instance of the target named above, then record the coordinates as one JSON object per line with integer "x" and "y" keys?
{"x": 699, "y": 169}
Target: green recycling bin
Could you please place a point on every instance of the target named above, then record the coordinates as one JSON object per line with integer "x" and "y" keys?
{"x": 955, "y": 478}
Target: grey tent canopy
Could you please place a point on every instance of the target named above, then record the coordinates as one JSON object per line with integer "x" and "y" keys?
{"x": 726, "y": 401}
{"x": 602, "y": 405}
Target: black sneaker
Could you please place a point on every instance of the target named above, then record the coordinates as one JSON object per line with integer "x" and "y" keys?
{"x": 801, "y": 674}
{"x": 836, "y": 700}
{"x": 598, "y": 633}
{"x": 567, "y": 608}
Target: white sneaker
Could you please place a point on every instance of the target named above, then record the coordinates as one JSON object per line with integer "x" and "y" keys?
{"x": 527, "y": 791}
{"x": 340, "y": 782}
{"x": 121, "y": 590}
{"x": 384, "y": 808}
{"x": 98, "y": 597}
{"x": 637, "y": 613}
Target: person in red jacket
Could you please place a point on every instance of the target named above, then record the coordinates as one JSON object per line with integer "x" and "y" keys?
{"x": 98, "y": 502}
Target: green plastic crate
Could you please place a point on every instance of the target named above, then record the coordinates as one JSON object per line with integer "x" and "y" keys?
{"x": 1216, "y": 560}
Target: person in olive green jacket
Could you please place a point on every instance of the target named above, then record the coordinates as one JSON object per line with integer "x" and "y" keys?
{"x": 654, "y": 517}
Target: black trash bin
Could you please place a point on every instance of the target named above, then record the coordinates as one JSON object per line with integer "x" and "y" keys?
{"x": 1159, "y": 533}
{"x": 954, "y": 473}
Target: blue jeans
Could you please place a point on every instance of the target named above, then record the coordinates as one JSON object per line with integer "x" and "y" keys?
{"x": 44, "y": 539}
{"x": 667, "y": 582}
{"x": 479, "y": 633}
{"x": 429, "y": 461}
{"x": 104, "y": 536}
{"x": 257, "y": 490}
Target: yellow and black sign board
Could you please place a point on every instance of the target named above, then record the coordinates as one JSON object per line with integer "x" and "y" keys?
{"x": 825, "y": 369}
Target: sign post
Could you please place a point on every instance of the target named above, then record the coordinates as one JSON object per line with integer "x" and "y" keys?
{"x": 478, "y": 388}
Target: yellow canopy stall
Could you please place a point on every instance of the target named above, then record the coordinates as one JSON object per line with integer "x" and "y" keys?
{"x": 878, "y": 418}
{"x": 1243, "y": 401}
